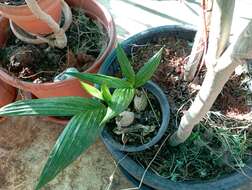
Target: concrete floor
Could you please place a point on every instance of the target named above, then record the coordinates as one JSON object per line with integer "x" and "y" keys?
{"x": 133, "y": 16}
{"x": 25, "y": 142}
{"x": 24, "y": 147}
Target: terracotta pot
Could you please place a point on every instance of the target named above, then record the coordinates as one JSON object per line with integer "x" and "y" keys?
{"x": 52, "y": 119}
{"x": 4, "y": 30}
{"x": 70, "y": 87}
{"x": 8, "y": 94}
{"x": 23, "y": 17}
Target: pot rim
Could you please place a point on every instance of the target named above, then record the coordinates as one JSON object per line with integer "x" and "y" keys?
{"x": 164, "y": 107}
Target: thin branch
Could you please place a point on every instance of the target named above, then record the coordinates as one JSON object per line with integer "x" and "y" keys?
{"x": 199, "y": 48}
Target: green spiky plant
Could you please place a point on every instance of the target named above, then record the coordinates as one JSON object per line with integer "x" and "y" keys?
{"x": 89, "y": 115}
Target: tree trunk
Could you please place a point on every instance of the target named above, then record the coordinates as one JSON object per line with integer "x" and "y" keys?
{"x": 213, "y": 83}
{"x": 217, "y": 75}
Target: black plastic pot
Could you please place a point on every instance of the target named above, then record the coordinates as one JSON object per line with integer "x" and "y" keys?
{"x": 165, "y": 110}
{"x": 134, "y": 170}
{"x": 111, "y": 67}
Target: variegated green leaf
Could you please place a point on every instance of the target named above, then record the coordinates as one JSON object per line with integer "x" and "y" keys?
{"x": 60, "y": 106}
{"x": 146, "y": 72}
{"x": 121, "y": 99}
{"x": 106, "y": 93}
{"x": 125, "y": 64}
{"x": 92, "y": 90}
{"x": 111, "y": 82}
{"x": 81, "y": 132}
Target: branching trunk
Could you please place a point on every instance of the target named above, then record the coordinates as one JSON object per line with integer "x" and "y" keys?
{"x": 219, "y": 71}
{"x": 213, "y": 83}
{"x": 221, "y": 22}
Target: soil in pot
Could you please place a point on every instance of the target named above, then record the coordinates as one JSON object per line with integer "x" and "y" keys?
{"x": 87, "y": 40}
{"x": 220, "y": 144}
{"x": 145, "y": 124}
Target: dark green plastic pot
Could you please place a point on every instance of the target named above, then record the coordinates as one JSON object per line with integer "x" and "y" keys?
{"x": 165, "y": 114}
{"x": 133, "y": 169}
{"x": 111, "y": 67}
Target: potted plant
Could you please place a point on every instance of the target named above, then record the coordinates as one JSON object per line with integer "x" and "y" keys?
{"x": 89, "y": 114}
{"x": 94, "y": 13}
{"x": 133, "y": 131}
{"x": 20, "y": 14}
{"x": 207, "y": 149}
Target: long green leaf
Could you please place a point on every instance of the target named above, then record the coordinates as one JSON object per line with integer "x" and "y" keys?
{"x": 125, "y": 64}
{"x": 81, "y": 132}
{"x": 146, "y": 72}
{"x": 111, "y": 82}
{"x": 121, "y": 99}
{"x": 60, "y": 106}
{"x": 92, "y": 90}
{"x": 106, "y": 93}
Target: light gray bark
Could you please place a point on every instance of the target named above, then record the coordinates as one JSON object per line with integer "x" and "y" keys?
{"x": 213, "y": 83}
{"x": 221, "y": 23}
{"x": 59, "y": 33}
{"x": 217, "y": 75}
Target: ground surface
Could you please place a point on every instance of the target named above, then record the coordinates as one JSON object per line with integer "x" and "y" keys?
{"x": 25, "y": 142}
{"x": 24, "y": 147}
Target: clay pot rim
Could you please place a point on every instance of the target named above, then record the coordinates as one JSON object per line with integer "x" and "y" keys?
{"x": 53, "y": 119}
{"x": 112, "y": 32}
{"x": 18, "y": 6}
